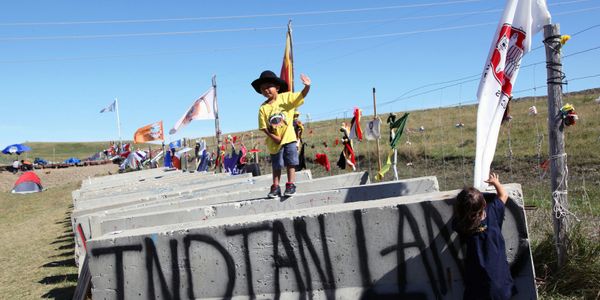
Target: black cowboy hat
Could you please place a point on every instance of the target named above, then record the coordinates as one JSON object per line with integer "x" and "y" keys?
{"x": 269, "y": 77}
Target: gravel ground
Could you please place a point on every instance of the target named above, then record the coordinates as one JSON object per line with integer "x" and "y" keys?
{"x": 56, "y": 177}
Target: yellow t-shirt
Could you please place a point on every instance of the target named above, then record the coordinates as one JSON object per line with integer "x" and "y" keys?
{"x": 278, "y": 118}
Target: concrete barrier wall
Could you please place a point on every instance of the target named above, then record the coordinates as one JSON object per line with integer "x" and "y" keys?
{"x": 90, "y": 222}
{"x": 87, "y": 227}
{"x": 161, "y": 194}
{"x": 397, "y": 247}
{"x": 252, "y": 191}
{"x": 147, "y": 182}
{"x": 229, "y": 209}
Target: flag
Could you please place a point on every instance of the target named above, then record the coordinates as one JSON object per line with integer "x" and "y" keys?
{"x": 373, "y": 129}
{"x": 520, "y": 21}
{"x": 396, "y": 128}
{"x": 151, "y": 132}
{"x": 175, "y": 144}
{"x": 287, "y": 68}
{"x": 202, "y": 109}
{"x": 109, "y": 108}
{"x": 355, "y": 130}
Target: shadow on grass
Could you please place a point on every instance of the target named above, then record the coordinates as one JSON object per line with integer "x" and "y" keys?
{"x": 64, "y": 254}
{"x": 67, "y": 246}
{"x": 63, "y": 293}
{"x": 61, "y": 286}
{"x": 59, "y": 278}
{"x": 63, "y": 240}
{"x": 69, "y": 262}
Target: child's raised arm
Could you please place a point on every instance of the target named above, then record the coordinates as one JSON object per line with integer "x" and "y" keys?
{"x": 306, "y": 81}
{"x": 500, "y": 191}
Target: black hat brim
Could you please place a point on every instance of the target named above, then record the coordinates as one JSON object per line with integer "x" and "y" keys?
{"x": 283, "y": 86}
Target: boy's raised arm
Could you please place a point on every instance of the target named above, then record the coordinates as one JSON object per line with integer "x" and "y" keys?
{"x": 306, "y": 81}
{"x": 500, "y": 191}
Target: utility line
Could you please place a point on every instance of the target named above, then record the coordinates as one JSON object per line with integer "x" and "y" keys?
{"x": 247, "y": 29}
{"x": 288, "y": 14}
{"x": 401, "y": 98}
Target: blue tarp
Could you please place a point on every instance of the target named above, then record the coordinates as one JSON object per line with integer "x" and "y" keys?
{"x": 72, "y": 160}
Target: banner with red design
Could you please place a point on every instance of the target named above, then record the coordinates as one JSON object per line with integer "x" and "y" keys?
{"x": 520, "y": 21}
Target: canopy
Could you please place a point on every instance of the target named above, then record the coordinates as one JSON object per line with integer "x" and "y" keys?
{"x": 16, "y": 149}
{"x": 28, "y": 182}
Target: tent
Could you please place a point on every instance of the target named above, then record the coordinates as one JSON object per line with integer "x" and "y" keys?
{"x": 28, "y": 182}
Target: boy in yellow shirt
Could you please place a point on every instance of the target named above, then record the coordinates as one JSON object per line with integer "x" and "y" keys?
{"x": 275, "y": 119}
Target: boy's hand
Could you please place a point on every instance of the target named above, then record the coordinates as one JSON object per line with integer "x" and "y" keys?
{"x": 305, "y": 79}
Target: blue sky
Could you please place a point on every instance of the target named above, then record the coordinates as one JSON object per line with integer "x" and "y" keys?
{"x": 63, "y": 61}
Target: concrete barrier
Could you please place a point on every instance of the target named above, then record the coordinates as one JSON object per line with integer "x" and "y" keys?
{"x": 90, "y": 222}
{"x": 83, "y": 223}
{"x": 154, "y": 183}
{"x": 152, "y": 193}
{"x": 400, "y": 247}
{"x": 207, "y": 210}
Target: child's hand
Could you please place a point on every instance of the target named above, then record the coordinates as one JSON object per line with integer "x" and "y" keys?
{"x": 305, "y": 79}
{"x": 493, "y": 180}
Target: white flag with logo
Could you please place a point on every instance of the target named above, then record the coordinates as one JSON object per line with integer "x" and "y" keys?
{"x": 111, "y": 107}
{"x": 520, "y": 21}
{"x": 204, "y": 108}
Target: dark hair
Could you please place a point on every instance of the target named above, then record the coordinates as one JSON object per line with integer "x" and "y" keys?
{"x": 467, "y": 210}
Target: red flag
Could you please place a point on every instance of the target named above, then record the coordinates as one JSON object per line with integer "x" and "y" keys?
{"x": 323, "y": 160}
{"x": 287, "y": 68}
{"x": 355, "y": 130}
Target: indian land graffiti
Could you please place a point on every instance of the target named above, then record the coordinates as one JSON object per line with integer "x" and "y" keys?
{"x": 407, "y": 251}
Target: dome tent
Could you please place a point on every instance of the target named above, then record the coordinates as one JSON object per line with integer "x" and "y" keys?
{"x": 28, "y": 182}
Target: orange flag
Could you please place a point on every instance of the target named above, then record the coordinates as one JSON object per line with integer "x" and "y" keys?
{"x": 287, "y": 68}
{"x": 151, "y": 132}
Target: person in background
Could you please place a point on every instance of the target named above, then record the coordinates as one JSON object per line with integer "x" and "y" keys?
{"x": 15, "y": 166}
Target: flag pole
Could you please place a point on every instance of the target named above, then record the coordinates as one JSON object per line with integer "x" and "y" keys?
{"x": 377, "y": 139}
{"x": 118, "y": 122}
{"x": 291, "y": 53}
{"x": 217, "y": 127}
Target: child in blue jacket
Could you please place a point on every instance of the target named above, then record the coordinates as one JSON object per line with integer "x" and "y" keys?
{"x": 479, "y": 223}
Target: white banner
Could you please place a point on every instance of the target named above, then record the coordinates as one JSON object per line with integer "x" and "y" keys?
{"x": 204, "y": 108}
{"x": 520, "y": 21}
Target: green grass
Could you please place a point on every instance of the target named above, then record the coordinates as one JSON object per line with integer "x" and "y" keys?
{"x": 37, "y": 245}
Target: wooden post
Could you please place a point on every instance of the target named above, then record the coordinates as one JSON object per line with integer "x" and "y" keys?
{"x": 375, "y": 117}
{"x": 217, "y": 126}
{"x": 558, "y": 163}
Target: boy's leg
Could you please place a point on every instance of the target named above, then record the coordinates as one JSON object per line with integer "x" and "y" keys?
{"x": 277, "y": 165}
{"x": 291, "y": 173}
{"x": 291, "y": 161}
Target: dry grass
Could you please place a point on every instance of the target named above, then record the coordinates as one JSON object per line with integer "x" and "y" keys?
{"x": 36, "y": 252}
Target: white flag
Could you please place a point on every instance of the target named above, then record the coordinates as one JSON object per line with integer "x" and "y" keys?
{"x": 520, "y": 21}
{"x": 111, "y": 107}
{"x": 204, "y": 108}
{"x": 373, "y": 129}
